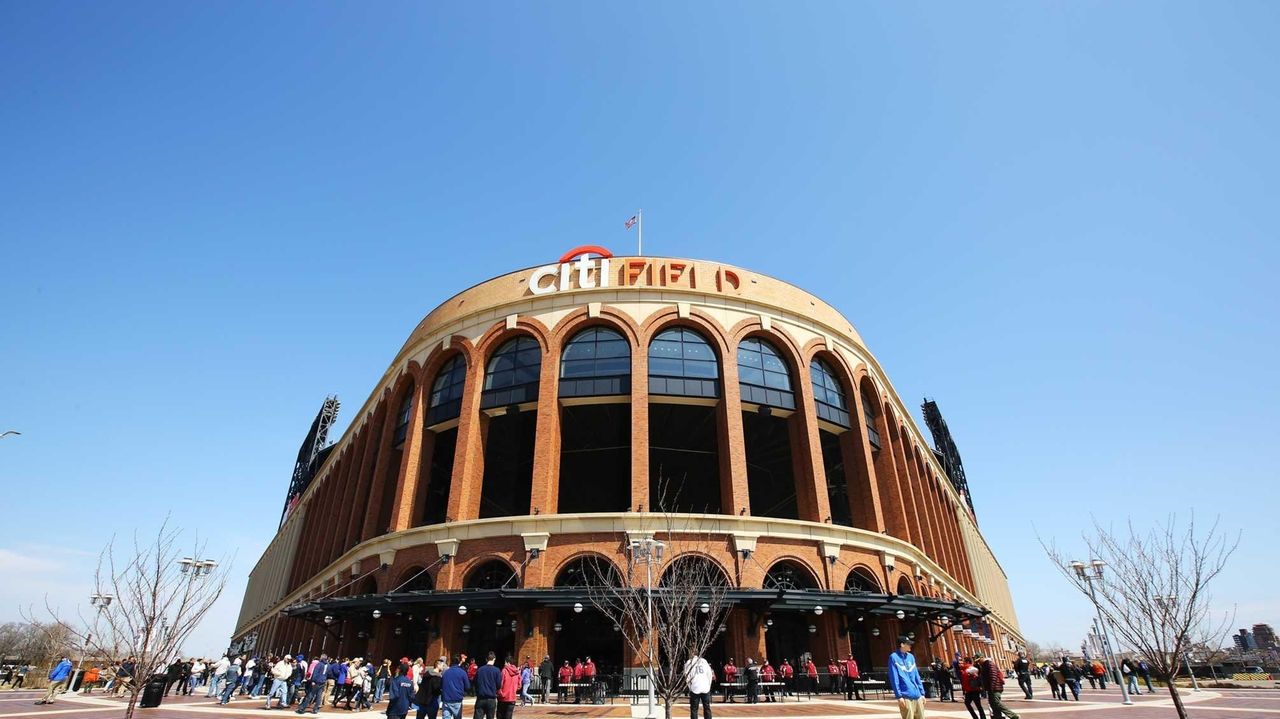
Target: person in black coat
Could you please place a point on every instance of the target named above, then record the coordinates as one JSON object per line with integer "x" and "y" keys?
{"x": 429, "y": 689}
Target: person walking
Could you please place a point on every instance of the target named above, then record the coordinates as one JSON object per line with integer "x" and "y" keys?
{"x": 993, "y": 685}
{"x": 220, "y": 668}
{"x": 1130, "y": 673}
{"x": 232, "y": 681}
{"x": 19, "y": 676}
{"x": 280, "y": 673}
{"x": 1054, "y": 685}
{"x": 454, "y": 685}
{"x": 488, "y": 681}
{"x": 380, "y": 680}
{"x": 904, "y": 680}
{"x": 971, "y": 685}
{"x": 1022, "y": 667}
{"x": 509, "y": 688}
{"x": 59, "y": 678}
{"x": 546, "y": 673}
{"x": 1099, "y": 672}
{"x": 399, "y": 694}
{"x": 526, "y": 679}
{"x": 1070, "y": 678}
{"x": 942, "y": 678}
{"x": 1144, "y": 671}
{"x": 698, "y": 674}
{"x": 316, "y": 679}
{"x": 429, "y": 690}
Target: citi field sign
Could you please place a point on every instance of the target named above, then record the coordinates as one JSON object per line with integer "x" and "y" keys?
{"x": 588, "y": 267}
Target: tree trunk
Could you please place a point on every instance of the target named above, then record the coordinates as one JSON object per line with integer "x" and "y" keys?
{"x": 133, "y": 703}
{"x": 1177, "y": 700}
{"x": 666, "y": 706}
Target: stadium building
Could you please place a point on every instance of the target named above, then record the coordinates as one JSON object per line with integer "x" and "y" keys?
{"x": 556, "y": 416}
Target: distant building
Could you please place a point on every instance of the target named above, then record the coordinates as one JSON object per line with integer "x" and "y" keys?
{"x": 1264, "y": 637}
{"x": 1244, "y": 641}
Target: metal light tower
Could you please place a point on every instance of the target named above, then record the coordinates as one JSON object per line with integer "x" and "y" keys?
{"x": 1089, "y": 579}
{"x": 648, "y": 551}
{"x": 1166, "y": 605}
{"x": 101, "y": 601}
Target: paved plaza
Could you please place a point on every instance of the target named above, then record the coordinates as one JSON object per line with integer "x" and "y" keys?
{"x": 1208, "y": 704}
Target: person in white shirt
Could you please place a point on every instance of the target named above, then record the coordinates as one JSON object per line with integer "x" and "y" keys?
{"x": 699, "y": 675}
{"x": 219, "y": 675}
{"x": 280, "y": 674}
{"x": 197, "y": 673}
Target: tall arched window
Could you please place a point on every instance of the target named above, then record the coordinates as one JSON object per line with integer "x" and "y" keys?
{"x": 860, "y": 580}
{"x": 439, "y": 440}
{"x": 589, "y": 571}
{"x": 446, "y": 391}
{"x": 596, "y": 362}
{"x": 681, "y": 362}
{"x": 512, "y": 374}
{"x": 595, "y": 434}
{"x": 684, "y": 459}
{"x": 828, "y": 394}
{"x": 510, "y": 380}
{"x": 763, "y": 376}
{"x": 869, "y": 414}
{"x": 402, "y": 419}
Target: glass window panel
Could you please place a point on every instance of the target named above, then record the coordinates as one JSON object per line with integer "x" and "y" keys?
{"x": 695, "y": 368}
{"x": 501, "y": 362}
{"x": 666, "y": 366}
{"x": 529, "y": 357}
{"x": 577, "y": 368}
{"x": 613, "y": 349}
{"x": 613, "y": 365}
{"x": 697, "y": 351}
{"x": 777, "y": 381}
{"x": 775, "y": 364}
{"x": 751, "y": 375}
{"x": 579, "y": 350}
{"x": 661, "y": 348}
{"x": 526, "y": 374}
{"x": 748, "y": 358}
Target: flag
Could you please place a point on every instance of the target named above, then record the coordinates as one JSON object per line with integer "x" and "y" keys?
{"x": 632, "y": 222}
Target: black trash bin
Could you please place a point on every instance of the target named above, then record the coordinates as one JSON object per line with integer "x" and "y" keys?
{"x": 152, "y": 691}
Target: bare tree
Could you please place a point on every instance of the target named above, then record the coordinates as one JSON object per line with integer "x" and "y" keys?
{"x": 1154, "y": 593}
{"x": 682, "y": 613}
{"x": 34, "y": 643}
{"x": 159, "y": 596}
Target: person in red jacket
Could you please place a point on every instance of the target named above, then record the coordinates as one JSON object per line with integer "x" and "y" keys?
{"x": 833, "y": 676}
{"x": 993, "y": 685}
{"x": 768, "y": 676}
{"x": 730, "y": 676}
{"x": 579, "y": 673}
{"x": 508, "y": 689}
{"x": 971, "y": 685}
{"x": 849, "y": 671}
{"x": 788, "y": 673}
{"x": 811, "y": 673}
{"x": 565, "y": 677}
{"x": 589, "y": 678}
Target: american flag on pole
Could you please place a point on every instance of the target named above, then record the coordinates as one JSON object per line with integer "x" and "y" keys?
{"x": 632, "y": 222}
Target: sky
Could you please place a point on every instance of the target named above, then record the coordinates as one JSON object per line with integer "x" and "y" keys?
{"x": 1056, "y": 219}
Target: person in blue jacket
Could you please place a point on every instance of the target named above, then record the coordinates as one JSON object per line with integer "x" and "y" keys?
{"x": 904, "y": 680}
{"x": 400, "y": 694}
{"x": 59, "y": 677}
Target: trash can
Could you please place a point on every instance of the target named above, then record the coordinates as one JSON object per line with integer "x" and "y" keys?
{"x": 152, "y": 691}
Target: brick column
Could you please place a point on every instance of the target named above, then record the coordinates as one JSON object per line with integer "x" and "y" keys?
{"x": 468, "y": 461}
{"x": 416, "y": 449}
{"x": 860, "y": 471}
{"x": 640, "y": 428}
{"x": 812, "y": 500}
{"x": 734, "y": 492}
{"x": 545, "y": 494}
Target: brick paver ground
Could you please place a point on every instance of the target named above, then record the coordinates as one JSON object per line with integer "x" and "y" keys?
{"x": 1208, "y": 704}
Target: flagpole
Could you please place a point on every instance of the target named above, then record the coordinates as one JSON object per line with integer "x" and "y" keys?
{"x": 640, "y": 232}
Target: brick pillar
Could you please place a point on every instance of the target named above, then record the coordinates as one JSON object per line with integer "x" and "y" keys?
{"x": 859, "y": 471}
{"x": 812, "y": 500}
{"x": 640, "y": 428}
{"x": 734, "y": 492}
{"x": 468, "y": 462}
{"x": 545, "y": 494}
{"x": 905, "y": 493}
{"x": 537, "y": 644}
{"x": 886, "y": 474}
{"x": 368, "y": 490}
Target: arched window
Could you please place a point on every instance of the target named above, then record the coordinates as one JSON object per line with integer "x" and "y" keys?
{"x": 788, "y": 575}
{"x": 828, "y": 394}
{"x": 589, "y": 571}
{"x": 763, "y": 376}
{"x": 446, "y": 391}
{"x": 596, "y": 362}
{"x": 904, "y": 586}
{"x": 869, "y": 414}
{"x": 860, "y": 580}
{"x": 415, "y": 579}
{"x": 512, "y": 374}
{"x": 402, "y": 418}
{"x": 681, "y": 362}
{"x": 693, "y": 570}
{"x": 491, "y": 575}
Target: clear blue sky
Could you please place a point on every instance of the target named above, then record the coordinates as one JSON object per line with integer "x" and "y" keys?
{"x": 1057, "y": 219}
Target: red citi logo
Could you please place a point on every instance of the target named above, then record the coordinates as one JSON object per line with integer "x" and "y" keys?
{"x": 591, "y": 272}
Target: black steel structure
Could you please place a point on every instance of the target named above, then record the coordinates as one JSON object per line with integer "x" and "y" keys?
{"x": 946, "y": 450}
{"x": 312, "y": 453}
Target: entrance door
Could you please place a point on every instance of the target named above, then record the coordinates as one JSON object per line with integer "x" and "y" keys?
{"x": 489, "y": 632}
{"x": 787, "y": 638}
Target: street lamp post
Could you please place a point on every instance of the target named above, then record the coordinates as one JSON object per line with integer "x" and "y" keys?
{"x": 649, "y": 551}
{"x": 1089, "y": 579}
{"x": 101, "y": 601}
{"x": 1166, "y": 605}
